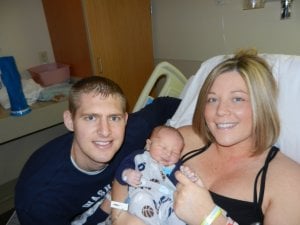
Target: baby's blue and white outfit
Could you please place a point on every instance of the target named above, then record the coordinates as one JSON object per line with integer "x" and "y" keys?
{"x": 152, "y": 201}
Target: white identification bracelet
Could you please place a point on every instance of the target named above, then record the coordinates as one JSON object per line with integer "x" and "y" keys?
{"x": 214, "y": 214}
{"x": 119, "y": 205}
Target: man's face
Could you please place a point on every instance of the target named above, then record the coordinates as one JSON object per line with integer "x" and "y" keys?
{"x": 99, "y": 127}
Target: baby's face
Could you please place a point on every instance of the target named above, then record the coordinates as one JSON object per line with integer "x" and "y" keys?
{"x": 165, "y": 150}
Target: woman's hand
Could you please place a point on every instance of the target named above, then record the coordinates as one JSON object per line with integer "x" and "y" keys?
{"x": 192, "y": 202}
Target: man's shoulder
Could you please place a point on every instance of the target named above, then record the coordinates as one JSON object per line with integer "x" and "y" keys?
{"x": 44, "y": 162}
{"x": 56, "y": 146}
{"x": 136, "y": 154}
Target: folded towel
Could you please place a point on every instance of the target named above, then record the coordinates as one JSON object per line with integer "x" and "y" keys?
{"x": 31, "y": 91}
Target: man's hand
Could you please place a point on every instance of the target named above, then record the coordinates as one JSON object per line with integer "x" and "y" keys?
{"x": 132, "y": 177}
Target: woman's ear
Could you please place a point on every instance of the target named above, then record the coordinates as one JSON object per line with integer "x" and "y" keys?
{"x": 68, "y": 120}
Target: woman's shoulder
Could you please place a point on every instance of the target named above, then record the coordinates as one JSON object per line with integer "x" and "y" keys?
{"x": 289, "y": 162}
{"x": 184, "y": 130}
{"x": 283, "y": 162}
{"x": 192, "y": 140}
{"x": 282, "y": 200}
{"x": 285, "y": 170}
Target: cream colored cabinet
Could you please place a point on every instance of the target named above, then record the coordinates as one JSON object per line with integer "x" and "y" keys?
{"x": 111, "y": 38}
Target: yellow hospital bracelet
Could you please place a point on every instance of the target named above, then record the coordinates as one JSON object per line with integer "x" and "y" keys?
{"x": 214, "y": 214}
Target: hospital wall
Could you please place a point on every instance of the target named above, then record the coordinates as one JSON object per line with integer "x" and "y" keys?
{"x": 191, "y": 31}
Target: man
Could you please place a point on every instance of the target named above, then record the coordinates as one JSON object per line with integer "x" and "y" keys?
{"x": 68, "y": 181}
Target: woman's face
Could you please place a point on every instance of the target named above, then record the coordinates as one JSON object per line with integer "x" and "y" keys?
{"x": 228, "y": 111}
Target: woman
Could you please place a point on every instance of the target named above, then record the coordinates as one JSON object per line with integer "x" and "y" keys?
{"x": 230, "y": 146}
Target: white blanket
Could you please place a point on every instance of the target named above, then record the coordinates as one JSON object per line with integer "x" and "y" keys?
{"x": 31, "y": 92}
{"x": 286, "y": 70}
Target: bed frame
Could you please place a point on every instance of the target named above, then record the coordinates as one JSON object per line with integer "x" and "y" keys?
{"x": 165, "y": 80}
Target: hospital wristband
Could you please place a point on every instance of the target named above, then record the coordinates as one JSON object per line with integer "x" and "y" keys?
{"x": 214, "y": 214}
{"x": 231, "y": 221}
{"x": 119, "y": 205}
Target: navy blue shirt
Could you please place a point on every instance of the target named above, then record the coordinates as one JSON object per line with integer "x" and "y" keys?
{"x": 51, "y": 190}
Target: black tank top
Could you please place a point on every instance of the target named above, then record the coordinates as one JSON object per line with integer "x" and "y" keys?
{"x": 243, "y": 212}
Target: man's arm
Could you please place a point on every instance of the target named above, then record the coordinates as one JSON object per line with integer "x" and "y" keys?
{"x": 122, "y": 217}
{"x": 141, "y": 123}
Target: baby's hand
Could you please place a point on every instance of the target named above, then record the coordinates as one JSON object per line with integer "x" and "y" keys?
{"x": 132, "y": 177}
{"x": 191, "y": 175}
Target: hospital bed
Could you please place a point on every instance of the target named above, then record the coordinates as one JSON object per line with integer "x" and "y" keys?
{"x": 165, "y": 80}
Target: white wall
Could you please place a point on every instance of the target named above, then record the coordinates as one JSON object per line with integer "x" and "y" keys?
{"x": 184, "y": 32}
{"x": 23, "y": 35}
{"x": 195, "y": 30}
{"x": 23, "y": 32}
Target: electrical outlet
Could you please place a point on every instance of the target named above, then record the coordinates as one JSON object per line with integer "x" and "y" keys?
{"x": 220, "y": 2}
{"x": 43, "y": 56}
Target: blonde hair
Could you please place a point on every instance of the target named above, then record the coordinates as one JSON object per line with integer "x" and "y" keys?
{"x": 263, "y": 92}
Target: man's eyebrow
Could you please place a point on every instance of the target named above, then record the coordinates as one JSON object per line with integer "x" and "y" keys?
{"x": 116, "y": 114}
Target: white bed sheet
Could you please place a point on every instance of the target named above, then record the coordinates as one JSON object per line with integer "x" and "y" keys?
{"x": 286, "y": 70}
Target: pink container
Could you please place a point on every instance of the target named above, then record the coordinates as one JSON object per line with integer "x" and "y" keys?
{"x": 50, "y": 73}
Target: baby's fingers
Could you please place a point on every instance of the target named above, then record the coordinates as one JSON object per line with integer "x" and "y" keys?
{"x": 191, "y": 175}
{"x": 182, "y": 179}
